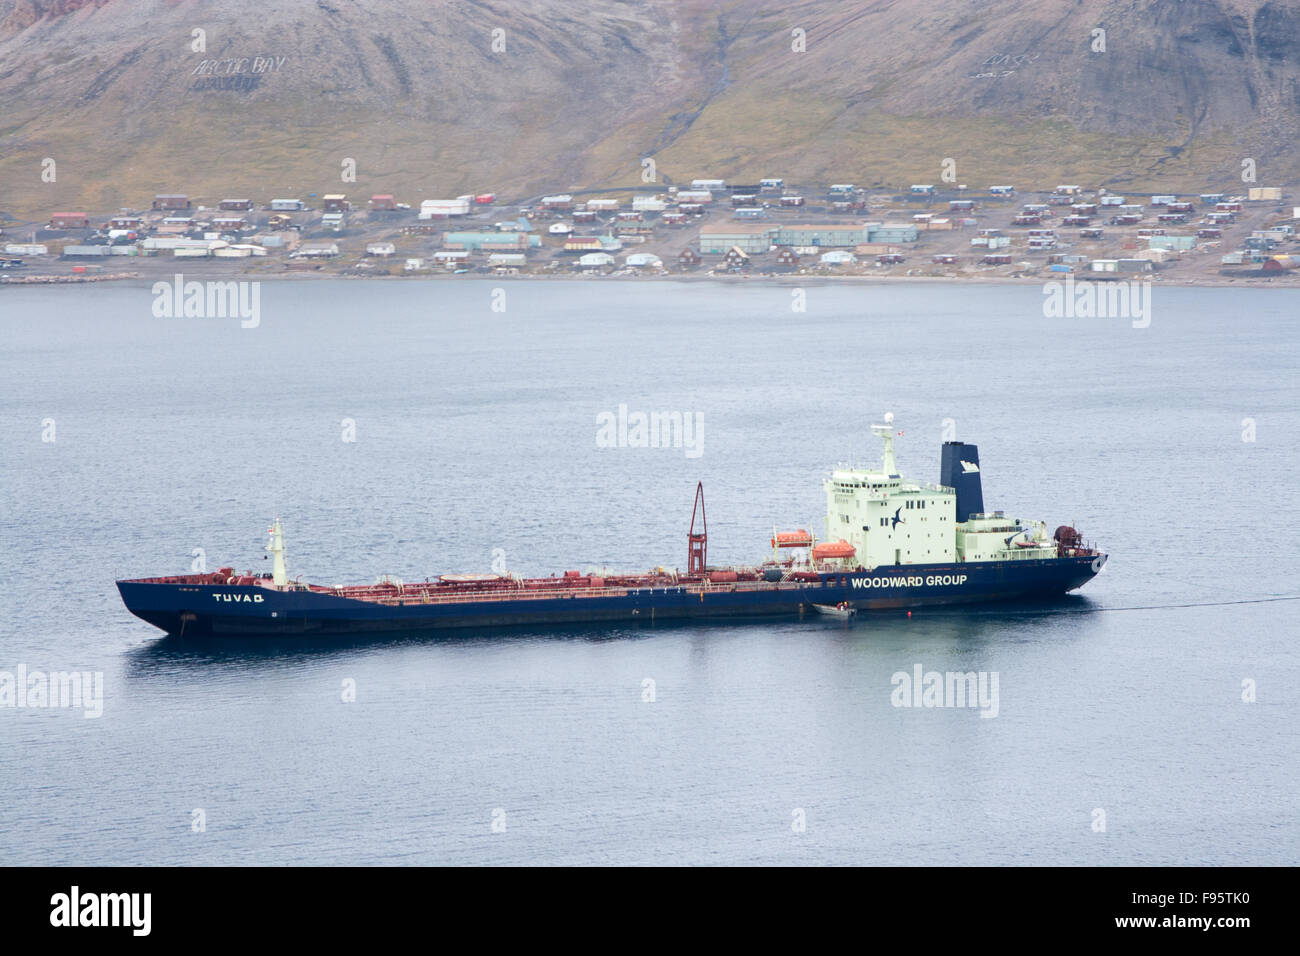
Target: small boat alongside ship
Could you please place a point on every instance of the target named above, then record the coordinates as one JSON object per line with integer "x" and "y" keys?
{"x": 890, "y": 543}
{"x": 843, "y": 610}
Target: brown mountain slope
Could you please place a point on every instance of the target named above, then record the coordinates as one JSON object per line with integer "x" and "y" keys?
{"x": 418, "y": 96}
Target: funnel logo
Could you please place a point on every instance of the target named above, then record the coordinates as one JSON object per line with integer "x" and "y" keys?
{"x": 967, "y": 467}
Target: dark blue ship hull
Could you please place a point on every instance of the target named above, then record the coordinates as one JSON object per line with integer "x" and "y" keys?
{"x": 210, "y": 609}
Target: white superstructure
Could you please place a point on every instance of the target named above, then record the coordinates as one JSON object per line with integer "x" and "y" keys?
{"x": 891, "y": 520}
{"x": 279, "y": 576}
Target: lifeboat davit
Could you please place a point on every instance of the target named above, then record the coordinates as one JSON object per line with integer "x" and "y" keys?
{"x": 792, "y": 539}
{"x": 833, "y": 549}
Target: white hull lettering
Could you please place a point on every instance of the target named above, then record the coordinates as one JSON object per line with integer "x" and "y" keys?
{"x": 239, "y": 598}
{"x": 912, "y": 581}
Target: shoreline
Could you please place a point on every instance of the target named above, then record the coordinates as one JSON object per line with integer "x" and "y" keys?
{"x": 1251, "y": 279}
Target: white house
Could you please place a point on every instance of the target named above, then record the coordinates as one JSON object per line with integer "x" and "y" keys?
{"x": 380, "y": 248}
{"x": 318, "y": 250}
{"x": 595, "y": 260}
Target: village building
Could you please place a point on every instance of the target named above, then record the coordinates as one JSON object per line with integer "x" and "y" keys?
{"x": 235, "y": 205}
{"x": 335, "y": 202}
{"x": 891, "y": 232}
{"x": 749, "y": 238}
{"x": 318, "y": 249}
{"x": 383, "y": 202}
{"x": 69, "y": 220}
{"x": 736, "y": 259}
{"x": 634, "y": 229}
{"x": 490, "y": 241}
{"x": 171, "y": 201}
{"x": 827, "y": 235}
{"x": 688, "y": 258}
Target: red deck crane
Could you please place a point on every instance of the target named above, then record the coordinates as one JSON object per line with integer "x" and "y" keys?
{"x": 698, "y": 544}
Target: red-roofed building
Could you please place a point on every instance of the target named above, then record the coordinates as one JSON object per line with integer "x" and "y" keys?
{"x": 69, "y": 220}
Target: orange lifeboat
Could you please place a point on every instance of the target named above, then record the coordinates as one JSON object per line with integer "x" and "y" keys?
{"x": 833, "y": 549}
{"x": 792, "y": 539}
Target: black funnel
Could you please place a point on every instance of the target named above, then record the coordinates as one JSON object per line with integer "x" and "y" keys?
{"x": 960, "y": 469}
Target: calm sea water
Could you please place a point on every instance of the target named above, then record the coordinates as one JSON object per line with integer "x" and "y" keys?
{"x": 475, "y": 431}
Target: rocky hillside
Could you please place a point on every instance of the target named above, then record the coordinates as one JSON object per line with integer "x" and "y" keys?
{"x": 520, "y": 98}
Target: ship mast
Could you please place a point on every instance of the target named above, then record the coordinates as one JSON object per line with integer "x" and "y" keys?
{"x": 885, "y": 432}
{"x": 279, "y": 577}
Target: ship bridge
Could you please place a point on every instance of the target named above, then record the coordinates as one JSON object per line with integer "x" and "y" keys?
{"x": 889, "y": 519}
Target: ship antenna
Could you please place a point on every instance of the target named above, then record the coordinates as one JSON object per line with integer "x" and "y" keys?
{"x": 698, "y": 544}
{"x": 885, "y": 433}
{"x": 279, "y": 577}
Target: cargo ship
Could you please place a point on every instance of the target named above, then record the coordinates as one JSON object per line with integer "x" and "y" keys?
{"x": 889, "y": 543}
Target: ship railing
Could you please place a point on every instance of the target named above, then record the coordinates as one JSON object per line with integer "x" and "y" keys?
{"x": 413, "y": 597}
